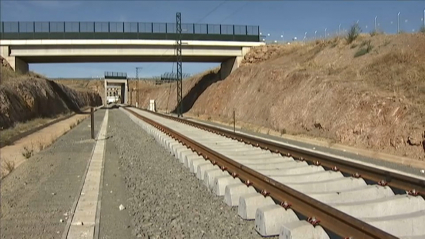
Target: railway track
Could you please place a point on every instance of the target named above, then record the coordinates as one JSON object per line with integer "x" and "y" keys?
{"x": 291, "y": 192}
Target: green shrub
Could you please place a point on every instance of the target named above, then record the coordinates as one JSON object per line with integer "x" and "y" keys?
{"x": 354, "y": 32}
{"x": 28, "y": 152}
{"x": 364, "y": 50}
{"x": 375, "y": 32}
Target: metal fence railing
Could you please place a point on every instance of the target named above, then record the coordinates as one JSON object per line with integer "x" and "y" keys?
{"x": 126, "y": 30}
{"x": 173, "y": 76}
{"x": 115, "y": 75}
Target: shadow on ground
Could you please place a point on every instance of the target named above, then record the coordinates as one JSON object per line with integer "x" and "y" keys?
{"x": 69, "y": 103}
{"x": 110, "y": 107}
{"x": 190, "y": 98}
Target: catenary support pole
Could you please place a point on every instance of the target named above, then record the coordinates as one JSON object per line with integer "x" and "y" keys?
{"x": 179, "y": 65}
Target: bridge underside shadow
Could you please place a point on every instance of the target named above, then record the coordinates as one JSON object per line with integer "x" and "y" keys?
{"x": 120, "y": 58}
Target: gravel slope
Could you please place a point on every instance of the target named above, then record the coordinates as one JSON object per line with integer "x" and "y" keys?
{"x": 35, "y": 196}
{"x": 165, "y": 199}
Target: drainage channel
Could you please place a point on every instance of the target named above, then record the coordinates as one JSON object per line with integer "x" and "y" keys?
{"x": 284, "y": 196}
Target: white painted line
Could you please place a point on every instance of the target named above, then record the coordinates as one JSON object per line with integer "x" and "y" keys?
{"x": 84, "y": 219}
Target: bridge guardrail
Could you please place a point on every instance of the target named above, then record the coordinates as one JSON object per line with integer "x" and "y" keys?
{"x": 127, "y": 30}
{"x": 115, "y": 75}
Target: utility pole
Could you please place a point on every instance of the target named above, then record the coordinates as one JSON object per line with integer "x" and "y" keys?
{"x": 179, "y": 77}
{"x": 375, "y": 23}
{"x": 137, "y": 71}
{"x": 398, "y": 22}
{"x": 424, "y": 19}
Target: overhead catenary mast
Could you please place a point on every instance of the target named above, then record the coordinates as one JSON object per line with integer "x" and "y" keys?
{"x": 179, "y": 75}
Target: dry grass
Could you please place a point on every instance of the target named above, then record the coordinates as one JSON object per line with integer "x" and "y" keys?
{"x": 8, "y": 75}
{"x": 43, "y": 144}
{"x": 19, "y": 128}
{"x": 36, "y": 75}
{"x": 40, "y": 145}
{"x": 399, "y": 72}
{"x": 7, "y": 166}
{"x": 366, "y": 47}
{"x": 83, "y": 85}
{"x": 71, "y": 126}
{"x": 7, "y": 135}
{"x": 376, "y": 33}
{"x": 74, "y": 124}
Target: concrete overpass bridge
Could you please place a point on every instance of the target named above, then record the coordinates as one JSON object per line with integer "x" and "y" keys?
{"x": 62, "y": 42}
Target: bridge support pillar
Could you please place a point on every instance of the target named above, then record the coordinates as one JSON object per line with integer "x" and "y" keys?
{"x": 17, "y": 64}
{"x": 20, "y": 65}
{"x": 229, "y": 66}
{"x": 4, "y": 51}
{"x": 232, "y": 64}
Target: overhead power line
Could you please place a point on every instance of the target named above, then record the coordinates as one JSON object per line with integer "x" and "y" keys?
{"x": 213, "y": 10}
{"x": 234, "y": 12}
{"x": 208, "y": 14}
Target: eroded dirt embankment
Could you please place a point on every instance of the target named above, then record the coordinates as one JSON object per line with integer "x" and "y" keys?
{"x": 374, "y": 100}
{"x": 30, "y": 96}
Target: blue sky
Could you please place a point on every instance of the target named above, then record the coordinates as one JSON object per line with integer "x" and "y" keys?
{"x": 278, "y": 18}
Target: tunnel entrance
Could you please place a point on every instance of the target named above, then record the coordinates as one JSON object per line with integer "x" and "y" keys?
{"x": 116, "y": 88}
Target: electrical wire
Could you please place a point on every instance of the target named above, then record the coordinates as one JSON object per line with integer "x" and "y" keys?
{"x": 233, "y": 13}
{"x": 208, "y": 14}
{"x": 219, "y": 5}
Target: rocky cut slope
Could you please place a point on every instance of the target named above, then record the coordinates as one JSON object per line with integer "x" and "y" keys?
{"x": 30, "y": 96}
{"x": 368, "y": 94}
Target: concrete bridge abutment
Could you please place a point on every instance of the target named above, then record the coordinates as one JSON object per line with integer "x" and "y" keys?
{"x": 16, "y": 63}
{"x": 232, "y": 64}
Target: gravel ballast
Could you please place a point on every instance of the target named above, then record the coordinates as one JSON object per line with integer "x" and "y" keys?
{"x": 165, "y": 199}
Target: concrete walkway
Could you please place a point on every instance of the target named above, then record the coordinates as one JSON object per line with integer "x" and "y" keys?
{"x": 37, "y": 197}
{"x": 84, "y": 219}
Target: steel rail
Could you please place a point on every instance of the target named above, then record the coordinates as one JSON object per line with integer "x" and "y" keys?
{"x": 413, "y": 186}
{"x": 330, "y": 218}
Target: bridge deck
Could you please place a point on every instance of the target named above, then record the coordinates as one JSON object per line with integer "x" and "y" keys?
{"x": 94, "y": 59}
